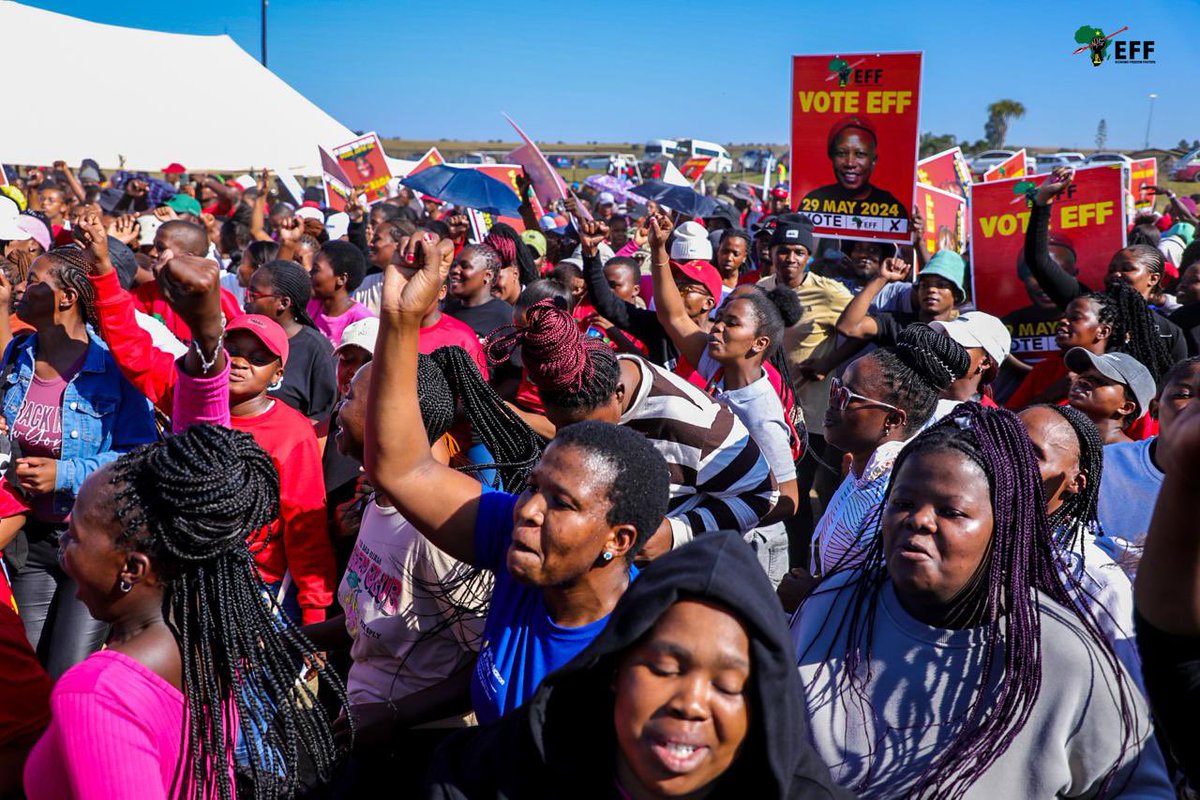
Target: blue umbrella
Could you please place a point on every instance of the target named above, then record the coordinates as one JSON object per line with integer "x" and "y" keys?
{"x": 466, "y": 187}
{"x": 683, "y": 199}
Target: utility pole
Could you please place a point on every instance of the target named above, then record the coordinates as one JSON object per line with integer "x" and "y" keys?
{"x": 264, "y": 32}
{"x": 1149, "y": 117}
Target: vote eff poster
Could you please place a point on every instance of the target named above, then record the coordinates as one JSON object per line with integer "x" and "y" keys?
{"x": 947, "y": 170}
{"x": 854, "y": 143}
{"x": 1143, "y": 173}
{"x": 363, "y": 162}
{"x": 945, "y": 216}
{"x": 1087, "y": 225}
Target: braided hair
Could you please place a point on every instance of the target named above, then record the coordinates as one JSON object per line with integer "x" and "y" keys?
{"x": 290, "y": 280}
{"x": 1077, "y": 516}
{"x": 196, "y": 504}
{"x": 1021, "y": 561}
{"x": 507, "y": 437}
{"x": 570, "y": 370}
{"x": 1134, "y": 327}
{"x": 917, "y": 369}
{"x": 70, "y": 270}
{"x": 507, "y": 243}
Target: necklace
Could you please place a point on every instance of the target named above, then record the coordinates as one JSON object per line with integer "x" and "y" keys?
{"x": 131, "y": 634}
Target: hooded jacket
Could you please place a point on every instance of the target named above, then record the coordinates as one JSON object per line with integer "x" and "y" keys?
{"x": 561, "y": 744}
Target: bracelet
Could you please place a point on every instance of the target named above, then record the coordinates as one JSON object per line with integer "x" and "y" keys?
{"x": 206, "y": 364}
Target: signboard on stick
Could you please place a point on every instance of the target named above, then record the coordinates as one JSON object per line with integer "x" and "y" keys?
{"x": 1087, "y": 225}
{"x": 338, "y": 191}
{"x": 1143, "y": 173}
{"x": 1012, "y": 167}
{"x": 363, "y": 163}
{"x": 854, "y": 143}
{"x": 947, "y": 170}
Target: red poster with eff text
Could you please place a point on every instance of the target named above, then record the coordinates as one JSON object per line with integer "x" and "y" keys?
{"x": 1087, "y": 225}
{"x": 337, "y": 186}
{"x": 854, "y": 143}
{"x": 947, "y": 170}
{"x": 1012, "y": 167}
{"x": 1143, "y": 173}
{"x": 364, "y": 163}
{"x": 945, "y": 217}
{"x": 506, "y": 174}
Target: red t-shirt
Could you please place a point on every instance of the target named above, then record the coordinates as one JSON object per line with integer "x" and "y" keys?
{"x": 25, "y": 693}
{"x": 449, "y": 331}
{"x": 148, "y": 298}
{"x": 304, "y": 547}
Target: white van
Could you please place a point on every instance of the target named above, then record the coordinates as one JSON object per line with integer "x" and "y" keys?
{"x": 695, "y": 148}
{"x": 658, "y": 150}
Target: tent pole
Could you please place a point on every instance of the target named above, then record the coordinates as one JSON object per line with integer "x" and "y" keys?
{"x": 264, "y": 32}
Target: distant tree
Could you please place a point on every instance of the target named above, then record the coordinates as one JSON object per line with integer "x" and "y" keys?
{"x": 936, "y": 143}
{"x": 999, "y": 115}
{"x": 1183, "y": 145}
{"x": 1196, "y": 144}
{"x": 1102, "y": 134}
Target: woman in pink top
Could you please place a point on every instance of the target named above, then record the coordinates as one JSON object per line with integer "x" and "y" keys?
{"x": 157, "y": 545}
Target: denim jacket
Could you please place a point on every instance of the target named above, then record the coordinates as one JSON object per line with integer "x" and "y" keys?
{"x": 103, "y": 415}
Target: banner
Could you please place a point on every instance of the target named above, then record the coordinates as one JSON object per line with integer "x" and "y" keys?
{"x": 548, "y": 185}
{"x": 363, "y": 163}
{"x": 1143, "y": 173}
{"x": 1012, "y": 167}
{"x": 854, "y": 143}
{"x": 693, "y": 168}
{"x": 338, "y": 194}
{"x": 432, "y": 158}
{"x": 945, "y": 219}
{"x": 1087, "y": 226}
{"x": 947, "y": 170}
{"x": 506, "y": 174}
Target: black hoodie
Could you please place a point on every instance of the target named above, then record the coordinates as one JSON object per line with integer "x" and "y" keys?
{"x": 561, "y": 744}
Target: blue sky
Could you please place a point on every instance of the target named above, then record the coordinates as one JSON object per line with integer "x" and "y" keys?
{"x": 628, "y": 71}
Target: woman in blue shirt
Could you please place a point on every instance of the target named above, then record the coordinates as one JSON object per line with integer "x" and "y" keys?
{"x": 69, "y": 411}
{"x": 562, "y": 550}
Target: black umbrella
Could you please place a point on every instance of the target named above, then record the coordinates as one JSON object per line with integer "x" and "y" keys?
{"x": 683, "y": 199}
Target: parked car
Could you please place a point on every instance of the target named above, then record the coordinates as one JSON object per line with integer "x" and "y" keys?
{"x": 593, "y": 162}
{"x": 562, "y": 162}
{"x": 1048, "y": 161}
{"x": 474, "y": 158}
{"x": 695, "y": 148}
{"x": 988, "y": 159}
{"x": 1071, "y": 157}
{"x": 658, "y": 150}
{"x": 1187, "y": 168}
{"x": 754, "y": 160}
{"x": 1108, "y": 158}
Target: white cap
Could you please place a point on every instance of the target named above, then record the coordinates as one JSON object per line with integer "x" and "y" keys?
{"x": 9, "y": 214}
{"x": 247, "y": 182}
{"x": 977, "y": 329}
{"x": 148, "y": 225}
{"x": 361, "y": 333}
{"x": 308, "y": 212}
{"x": 691, "y": 243}
{"x": 605, "y": 199}
{"x": 338, "y": 225}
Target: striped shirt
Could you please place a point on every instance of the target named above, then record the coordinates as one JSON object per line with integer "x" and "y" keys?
{"x": 851, "y": 521}
{"x": 719, "y": 478}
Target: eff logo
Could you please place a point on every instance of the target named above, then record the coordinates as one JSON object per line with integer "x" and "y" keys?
{"x": 1103, "y": 47}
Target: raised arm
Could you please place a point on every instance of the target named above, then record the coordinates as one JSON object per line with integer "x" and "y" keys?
{"x": 526, "y": 190}
{"x": 1179, "y": 212}
{"x": 1054, "y": 281}
{"x": 440, "y": 502}
{"x": 72, "y": 181}
{"x": 856, "y": 321}
{"x": 685, "y": 334}
{"x": 258, "y": 211}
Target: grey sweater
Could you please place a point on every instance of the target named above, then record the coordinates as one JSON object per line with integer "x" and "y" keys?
{"x": 921, "y": 682}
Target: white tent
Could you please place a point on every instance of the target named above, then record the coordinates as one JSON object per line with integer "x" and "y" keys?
{"x": 199, "y": 100}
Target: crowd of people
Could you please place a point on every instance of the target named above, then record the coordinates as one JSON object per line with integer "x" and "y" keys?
{"x": 626, "y": 504}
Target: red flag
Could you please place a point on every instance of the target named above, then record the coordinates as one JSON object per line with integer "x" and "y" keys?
{"x": 693, "y": 168}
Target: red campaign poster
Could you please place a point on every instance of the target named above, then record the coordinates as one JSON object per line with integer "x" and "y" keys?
{"x": 1143, "y": 173}
{"x": 337, "y": 186}
{"x": 506, "y": 174}
{"x": 947, "y": 170}
{"x": 945, "y": 219}
{"x": 693, "y": 168}
{"x": 854, "y": 143}
{"x": 548, "y": 185}
{"x": 1012, "y": 167}
{"x": 1087, "y": 225}
{"x": 431, "y": 159}
{"x": 363, "y": 162}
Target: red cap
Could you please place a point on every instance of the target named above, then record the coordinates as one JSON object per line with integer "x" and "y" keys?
{"x": 174, "y": 168}
{"x": 700, "y": 272}
{"x": 266, "y": 329}
{"x": 780, "y": 192}
{"x": 862, "y": 123}
{"x": 310, "y": 204}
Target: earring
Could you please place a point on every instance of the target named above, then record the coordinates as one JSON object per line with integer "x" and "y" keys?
{"x": 608, "y": 556}
{"x": 125, "y": 586}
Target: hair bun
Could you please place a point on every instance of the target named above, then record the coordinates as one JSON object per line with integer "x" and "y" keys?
{"x": 935, "y": 357}
{"x": 788, "y": 304}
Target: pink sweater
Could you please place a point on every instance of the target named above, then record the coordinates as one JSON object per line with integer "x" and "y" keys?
{"x": 116, "y": 733}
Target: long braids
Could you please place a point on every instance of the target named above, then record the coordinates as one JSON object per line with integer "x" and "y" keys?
{"x": 505, "y": 240}
{"x": 290, "y": 280}
{"x": 1134, "y": 328}
{"x": 191, "y": 503}
{"x": 1077, "y": 517}
{"x": 1002, "y": 597}
{"x": 71, "y": 270}
{"x": 507, "y": 437}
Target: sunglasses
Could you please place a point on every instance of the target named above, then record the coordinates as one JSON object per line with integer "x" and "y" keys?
{"x": 840, "y": 397}
{"x": 252, "y": 295}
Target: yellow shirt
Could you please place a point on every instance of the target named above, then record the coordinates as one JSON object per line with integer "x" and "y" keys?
{"x": 814, "y": 336}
